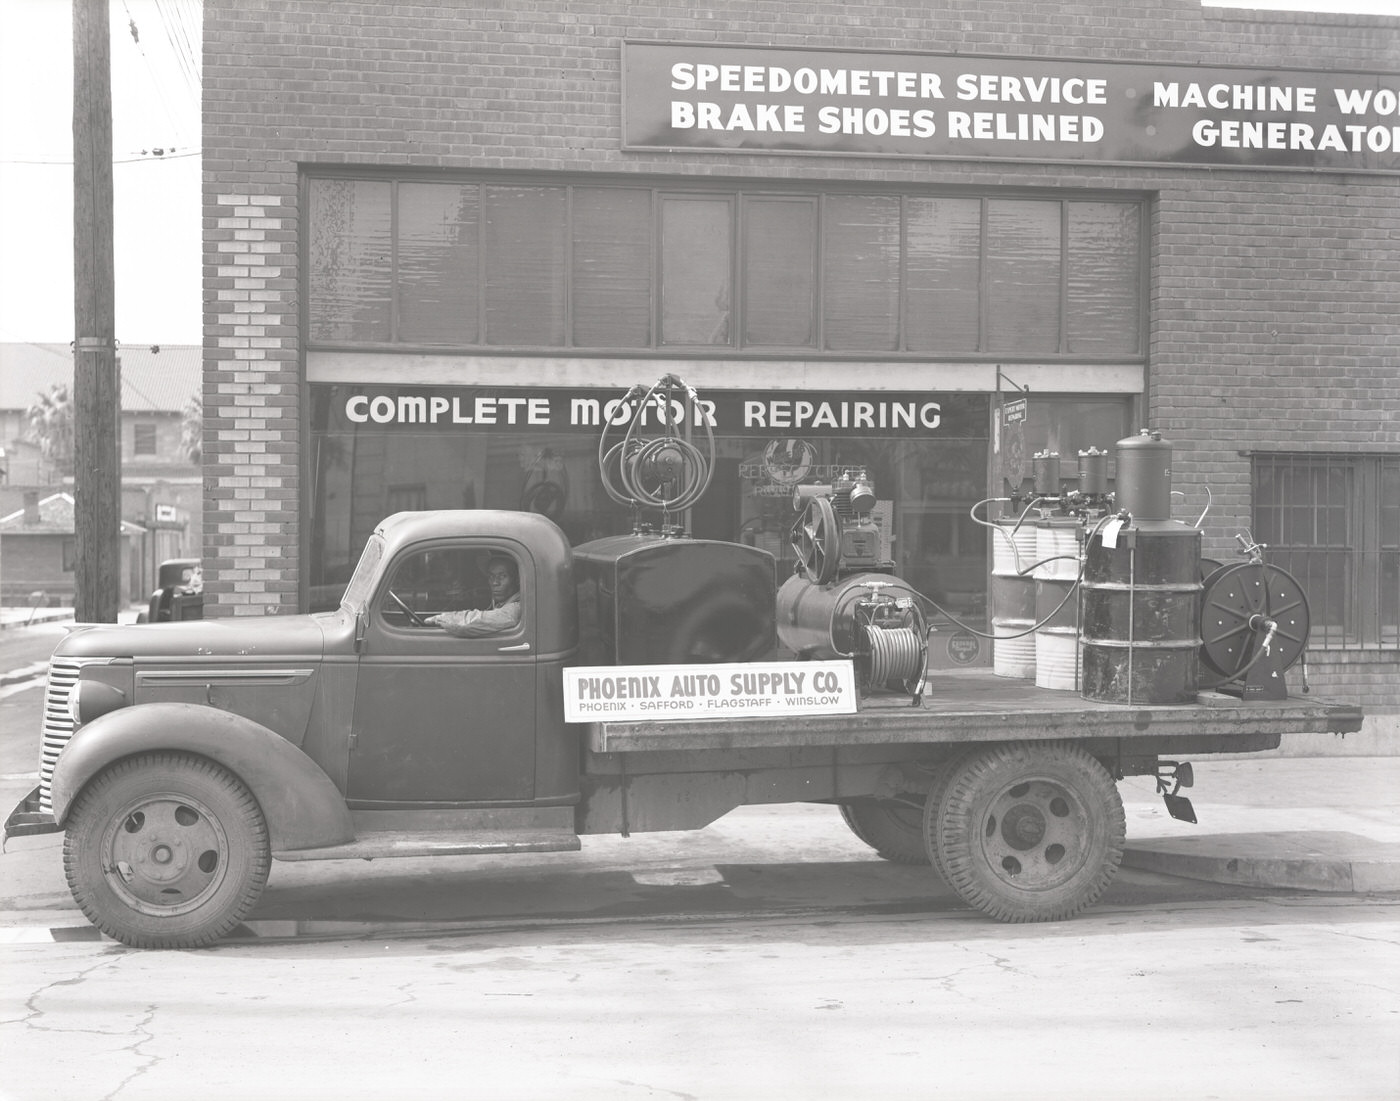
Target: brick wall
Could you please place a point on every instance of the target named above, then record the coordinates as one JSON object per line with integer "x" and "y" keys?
{"x": 1272, "y": 294}
{"x": 251, "y": 408}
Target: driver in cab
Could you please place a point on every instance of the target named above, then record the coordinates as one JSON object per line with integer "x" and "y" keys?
{"x": 503, "y": 579}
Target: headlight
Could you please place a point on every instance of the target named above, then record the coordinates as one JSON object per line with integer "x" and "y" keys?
{"x": 90, "y": 699}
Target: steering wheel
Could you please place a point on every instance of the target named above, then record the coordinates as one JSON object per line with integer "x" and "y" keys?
{"x": 413, "y": 616}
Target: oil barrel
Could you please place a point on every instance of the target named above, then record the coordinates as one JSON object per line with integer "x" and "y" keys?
{"x": 1056, "y": 603}
{"x": 1141, "y": 615}
{"x": 1013, "y": 599}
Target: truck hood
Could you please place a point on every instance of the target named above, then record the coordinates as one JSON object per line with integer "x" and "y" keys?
{"x": 299, "y": 636}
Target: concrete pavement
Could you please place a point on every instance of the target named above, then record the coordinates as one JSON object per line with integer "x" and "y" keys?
{"x": 1306, "y": 823}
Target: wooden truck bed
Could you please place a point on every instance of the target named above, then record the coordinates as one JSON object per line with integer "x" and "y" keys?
{"x": 978, "y": 706}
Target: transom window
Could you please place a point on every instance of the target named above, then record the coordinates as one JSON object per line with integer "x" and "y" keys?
{"x": 525, "y": 266}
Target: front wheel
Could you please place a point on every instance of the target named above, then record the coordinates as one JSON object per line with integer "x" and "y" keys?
{"x": 165, "y": 850}
{"x": 1027, "y": 831}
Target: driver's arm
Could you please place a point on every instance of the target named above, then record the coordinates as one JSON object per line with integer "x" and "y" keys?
{"x": 475, "y": 624}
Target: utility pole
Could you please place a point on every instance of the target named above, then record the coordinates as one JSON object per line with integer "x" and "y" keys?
{"x": 96, "y": 393}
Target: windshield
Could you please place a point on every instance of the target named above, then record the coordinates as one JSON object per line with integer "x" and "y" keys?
{"x": 358, "y": 591}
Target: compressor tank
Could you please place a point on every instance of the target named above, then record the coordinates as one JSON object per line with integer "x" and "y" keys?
{"x": 818, "y": 621}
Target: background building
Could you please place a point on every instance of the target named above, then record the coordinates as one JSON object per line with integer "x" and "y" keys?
{"x": 441, "y": 239}
{"x": 161, "y": 482}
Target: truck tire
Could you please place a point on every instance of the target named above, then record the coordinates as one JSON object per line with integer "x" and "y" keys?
{"x": 1028, "y": 831}
{"x": 941, "y": 777}
{"x": 166, "y": 850}
{"x": 892, "y": 828}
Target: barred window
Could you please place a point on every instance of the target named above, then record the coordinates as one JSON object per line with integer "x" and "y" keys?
{"x": 1333, "y": 522}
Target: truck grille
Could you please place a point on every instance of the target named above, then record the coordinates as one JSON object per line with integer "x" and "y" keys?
{"x": 58, "y": 724}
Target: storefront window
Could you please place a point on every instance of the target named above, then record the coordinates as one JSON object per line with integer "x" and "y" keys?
{"x": 378, "y": 449}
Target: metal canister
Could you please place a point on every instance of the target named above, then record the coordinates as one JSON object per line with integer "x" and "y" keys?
{"x": 1093, "y": 472}
{"x": 1056, "y": 609}
{"x": 1141, "y": 617}
{"x": 1145, "y": 476}
{"x": 1013, "y": 599}
{"x": 1045, "y": 473}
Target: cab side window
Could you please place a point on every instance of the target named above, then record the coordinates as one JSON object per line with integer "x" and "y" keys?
{"x": 465, "y": 591}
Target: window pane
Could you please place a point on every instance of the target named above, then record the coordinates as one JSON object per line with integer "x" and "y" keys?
{"x": 525, "y": 249}
{"x": 349, "y": 260}
{"x": 438, "y": 260}
{"x": 144, "y": 439}
{"x": 612, "y": 268}
{"x": 780, "y": 253}
{"x": 696, "y": 271}
{"x": 942, "y": 273}
{"x": 1023, "y": 276}
{"x": 860, "y": 273}
{"x": 1102, "y": 283}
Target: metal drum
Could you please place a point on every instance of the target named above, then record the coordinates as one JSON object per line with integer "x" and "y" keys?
{"x": 1141, "y": 618}
{"x": 1056, "y": 609}
{"x": 1013, "y": 600}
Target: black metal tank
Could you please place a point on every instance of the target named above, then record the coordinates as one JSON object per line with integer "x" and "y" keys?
{"x": 1142, "y": 596}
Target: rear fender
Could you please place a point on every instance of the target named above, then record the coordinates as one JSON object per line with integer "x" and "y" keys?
{"x": 303, "y": 808}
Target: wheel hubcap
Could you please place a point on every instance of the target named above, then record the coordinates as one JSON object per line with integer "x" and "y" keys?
{"x": 1033, "y": 834}
{"x": 165, "y": 855}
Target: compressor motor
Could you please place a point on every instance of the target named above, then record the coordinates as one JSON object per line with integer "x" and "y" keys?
{"x": 843, "y": 600}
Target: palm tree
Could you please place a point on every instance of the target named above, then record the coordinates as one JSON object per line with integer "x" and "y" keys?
{"x": 49, "y": 424}
{"x": 192, "y": 429}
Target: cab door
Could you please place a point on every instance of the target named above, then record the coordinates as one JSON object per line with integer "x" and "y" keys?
{"x": 440, "y": 719}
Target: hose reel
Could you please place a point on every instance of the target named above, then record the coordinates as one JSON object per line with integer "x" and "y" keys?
{"x": 1254, "y": 624}
{"x": 891, "y": 643}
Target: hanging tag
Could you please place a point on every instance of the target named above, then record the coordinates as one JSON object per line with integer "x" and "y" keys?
{"x": 1110, "y": 532}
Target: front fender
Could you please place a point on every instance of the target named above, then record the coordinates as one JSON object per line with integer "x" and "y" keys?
{"x": 302, "y": 807}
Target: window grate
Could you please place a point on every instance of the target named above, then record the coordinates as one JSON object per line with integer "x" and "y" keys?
{"x": 1333, "y": 522}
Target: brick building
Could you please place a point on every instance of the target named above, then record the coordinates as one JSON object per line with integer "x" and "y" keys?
{"x": 440, "y": 238}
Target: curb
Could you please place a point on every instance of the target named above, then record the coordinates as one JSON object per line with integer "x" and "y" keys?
{"x": 1328, "y": 861}
{"x": 23, "y": 674}
{"x": 51, "y": 617}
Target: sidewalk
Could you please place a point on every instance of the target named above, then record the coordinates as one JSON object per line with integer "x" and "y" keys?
{"x": 1317, "y": 824}
{"x": 27, "y": 617}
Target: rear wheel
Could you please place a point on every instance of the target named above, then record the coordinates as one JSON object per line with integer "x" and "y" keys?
{"x": 1028, "y": 831}
{"x": 894, "y": 829}
{"x": 165, "y": 850}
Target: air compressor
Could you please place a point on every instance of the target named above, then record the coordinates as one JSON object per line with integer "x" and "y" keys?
{"x": 843, "y": 599}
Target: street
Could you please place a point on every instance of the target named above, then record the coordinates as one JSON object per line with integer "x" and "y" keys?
{"x": 1250, "y": 998}
{"x": 767, "y": 955}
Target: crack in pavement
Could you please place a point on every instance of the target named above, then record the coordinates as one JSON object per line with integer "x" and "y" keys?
{"x": 142, "y": 1026}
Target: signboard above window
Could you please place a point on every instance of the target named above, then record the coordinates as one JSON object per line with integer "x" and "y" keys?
{"x": 764, "y": 100}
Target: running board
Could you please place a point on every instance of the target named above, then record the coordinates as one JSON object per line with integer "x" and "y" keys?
{"x": 384, "y": 844}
